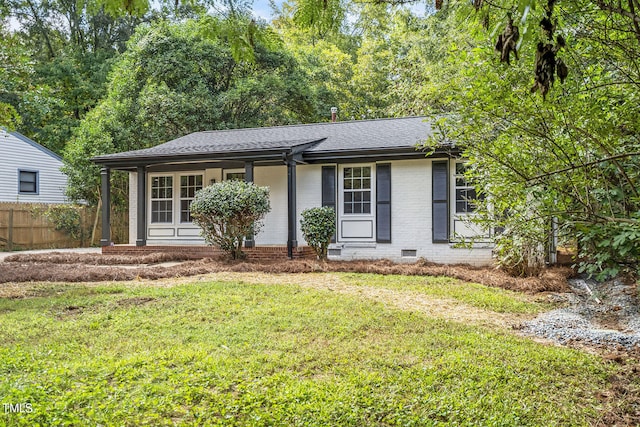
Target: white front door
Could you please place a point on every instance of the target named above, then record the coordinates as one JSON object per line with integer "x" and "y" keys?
{"x": 356, "y": 203}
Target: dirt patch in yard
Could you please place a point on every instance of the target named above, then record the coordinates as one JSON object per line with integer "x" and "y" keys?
{"x": 443, "y": 308}
{"x": 65, "y": 267}
{"x": 135, "y": 301}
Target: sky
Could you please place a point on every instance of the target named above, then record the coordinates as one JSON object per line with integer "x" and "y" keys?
{"x": 262, "y": 9}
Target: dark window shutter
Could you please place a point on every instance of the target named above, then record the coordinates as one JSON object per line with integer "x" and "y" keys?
{"x": 383, "y": 203}
{"x": 329, "y": 189}
{"x": 440, "y": 204}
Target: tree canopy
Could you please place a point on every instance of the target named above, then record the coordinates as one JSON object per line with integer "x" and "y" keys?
{"x": 178, "y": 78}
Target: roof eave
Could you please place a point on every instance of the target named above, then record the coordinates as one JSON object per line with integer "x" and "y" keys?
{"x": 159, "y": 159}
{"x": 376, "y": 154}
{"x": 248, "y": 155}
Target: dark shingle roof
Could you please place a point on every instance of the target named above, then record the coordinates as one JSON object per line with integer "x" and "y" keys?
{"x": 311, "y": 139}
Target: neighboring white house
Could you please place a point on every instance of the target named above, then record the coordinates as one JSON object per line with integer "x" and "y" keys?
{"x": 392, "y": 200}
{"x": 29, "y": 172}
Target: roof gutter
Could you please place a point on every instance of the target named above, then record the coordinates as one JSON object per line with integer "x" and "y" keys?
{"x": 387, "y": 154}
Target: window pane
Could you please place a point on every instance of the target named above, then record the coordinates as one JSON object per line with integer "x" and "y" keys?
{"x": 189, "y": 185}
{"x": 235, "y": 176}
{"x": 161, "y": 210}
{"x": 27, "y": 187}
{"x": 28, "y": 177}
{"x": 471, "y": 193}
{"x": 357, "y": 194}
{"x": 28, "y": 182}
{"x": 185, "y": 214}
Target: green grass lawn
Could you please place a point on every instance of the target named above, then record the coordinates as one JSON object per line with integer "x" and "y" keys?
{"x": 230, "y": 353}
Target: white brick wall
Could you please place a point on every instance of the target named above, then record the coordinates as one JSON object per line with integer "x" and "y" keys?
{"x": 410, "y": 208}
{"x": 411, "y": 222}
{"x": 274, "y": 231}
{"x": 309, "y": 194}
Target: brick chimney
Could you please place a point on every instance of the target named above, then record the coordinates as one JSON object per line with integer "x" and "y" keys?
{"x": 334, "y": 114}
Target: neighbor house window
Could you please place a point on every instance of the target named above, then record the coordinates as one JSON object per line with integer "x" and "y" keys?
{"x": 28, "y": 182}
{"x": 189, "y": 184}
{"x": 357, "y": 190}
{"x": 161, "y": 199}
{"x": 465, "y": 192}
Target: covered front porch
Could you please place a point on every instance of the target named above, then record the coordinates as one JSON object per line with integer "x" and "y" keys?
{"x": 162, "y": 188}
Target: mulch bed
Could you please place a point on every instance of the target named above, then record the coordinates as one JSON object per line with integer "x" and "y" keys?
{"x": 65, "y": 267}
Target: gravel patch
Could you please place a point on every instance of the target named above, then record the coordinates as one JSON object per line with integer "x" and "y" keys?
{"x": 603, "y": 315}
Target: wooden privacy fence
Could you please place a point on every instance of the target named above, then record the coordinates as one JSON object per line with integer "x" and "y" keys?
{"x": 25, "y": 226}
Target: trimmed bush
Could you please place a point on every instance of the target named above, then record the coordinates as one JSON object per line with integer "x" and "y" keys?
{"x": 318, "y": 226}
{"x": 229, "y": 211}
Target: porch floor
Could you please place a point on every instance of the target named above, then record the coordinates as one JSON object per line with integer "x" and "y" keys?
{"x": 199, "y": 252}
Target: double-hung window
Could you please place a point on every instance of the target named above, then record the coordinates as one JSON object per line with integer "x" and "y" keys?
{"x": 27, "y": 182}
{"x": 465, "y": 192}
{"x": 189, "y": 184}
{"x": 357, "y": 190}
{"x": 162, "y": 199}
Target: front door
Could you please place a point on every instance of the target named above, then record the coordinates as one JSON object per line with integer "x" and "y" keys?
{"x": 356, "y": 210}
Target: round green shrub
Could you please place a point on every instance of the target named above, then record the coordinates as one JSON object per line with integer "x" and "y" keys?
{"x": 318, "y": 227}
{"x": 229, "y": 211}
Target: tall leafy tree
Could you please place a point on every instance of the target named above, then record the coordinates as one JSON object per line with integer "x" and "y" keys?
{"x": 14, "y": 75}
{"x": 71, "y": 44}
{"x": 570, "y": 157}
{"x": 180, "y": 78}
